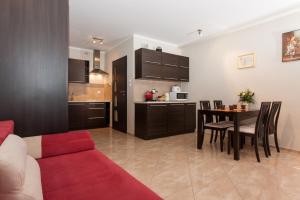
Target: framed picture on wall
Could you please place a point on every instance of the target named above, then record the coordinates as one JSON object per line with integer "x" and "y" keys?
{"x": 291, "y": 46}
{"x": 246, "y": 61}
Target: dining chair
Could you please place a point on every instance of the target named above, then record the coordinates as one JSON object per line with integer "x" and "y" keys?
{"x": 255, "y": 131}
{"x": 208, "y": 123}
{"x": 205, "y": 105}
{"x": 272, "y": 124}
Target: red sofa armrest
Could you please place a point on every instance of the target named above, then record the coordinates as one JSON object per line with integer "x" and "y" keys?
{"x": 6, "y": 128}
{"x": 72, "y": 146}
{"x": 65, "y": 143}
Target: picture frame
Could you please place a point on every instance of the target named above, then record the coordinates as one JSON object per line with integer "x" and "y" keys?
{"x": 291, "y": 46}
{"x": 246, "y": 61}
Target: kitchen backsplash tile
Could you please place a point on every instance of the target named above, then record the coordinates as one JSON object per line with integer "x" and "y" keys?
{"x": 141, "y": 86}
{"x": 89, "y": 91}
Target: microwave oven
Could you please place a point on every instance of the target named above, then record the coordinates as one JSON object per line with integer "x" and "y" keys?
{"x": 178, "y": 96}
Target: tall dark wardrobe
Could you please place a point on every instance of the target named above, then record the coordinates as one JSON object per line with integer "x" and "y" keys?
{"x": 34, "y": 40}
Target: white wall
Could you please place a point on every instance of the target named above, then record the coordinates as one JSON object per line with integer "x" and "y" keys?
{"x": 214, "y": 74}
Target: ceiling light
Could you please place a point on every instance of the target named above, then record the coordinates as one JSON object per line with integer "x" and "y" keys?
{"x": 96, "y": 40}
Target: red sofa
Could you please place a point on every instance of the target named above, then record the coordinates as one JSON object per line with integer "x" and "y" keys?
{"x": 71, "y": 169}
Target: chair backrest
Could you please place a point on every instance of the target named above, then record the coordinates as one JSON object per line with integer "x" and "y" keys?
{"x": 260, "y": 126}
{"x": 205, "y": 105}
{"x": 218, "y": 104}
{"x": 274, "y": 116}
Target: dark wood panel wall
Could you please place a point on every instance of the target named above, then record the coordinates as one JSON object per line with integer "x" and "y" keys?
{"x": 34, "y": 41}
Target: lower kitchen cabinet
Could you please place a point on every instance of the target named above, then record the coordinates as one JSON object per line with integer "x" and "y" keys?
{"x": 164, "y": 119}
{"x": 88, "y": 115}
{"x": 176, "y": 118}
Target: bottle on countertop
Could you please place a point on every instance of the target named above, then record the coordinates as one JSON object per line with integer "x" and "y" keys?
{"x": 167, "y": 96}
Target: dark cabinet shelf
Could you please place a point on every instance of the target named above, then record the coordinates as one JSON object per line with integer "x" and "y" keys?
{"x": 78, "y": 71}
{"x": 88, "y": 115}
{"x": 150, "y": 64}
{"x": 161, "y": 120}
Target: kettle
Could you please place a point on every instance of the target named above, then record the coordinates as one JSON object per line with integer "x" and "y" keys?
{"x": 176, "y": 88}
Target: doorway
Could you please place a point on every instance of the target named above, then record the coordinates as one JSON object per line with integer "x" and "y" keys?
{"x": 119, "y": 94}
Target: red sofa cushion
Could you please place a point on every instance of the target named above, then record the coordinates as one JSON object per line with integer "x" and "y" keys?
{"x": 64, "y": 143}
{"x": 89, "y": 175}
{"x": 6, "y": 128}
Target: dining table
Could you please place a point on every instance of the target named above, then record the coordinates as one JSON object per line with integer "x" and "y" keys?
{"x": 237, "y": 115}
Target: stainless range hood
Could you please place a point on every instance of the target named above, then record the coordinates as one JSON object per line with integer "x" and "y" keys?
{"x": 96, "y": 64}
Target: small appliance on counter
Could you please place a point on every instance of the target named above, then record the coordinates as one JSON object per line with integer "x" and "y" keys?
{"x": 175, "y": 88}
{"x": 177, "y": 95}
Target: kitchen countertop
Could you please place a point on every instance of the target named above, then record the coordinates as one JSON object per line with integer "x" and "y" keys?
{"x": 89, "y": 101}
{"x": 154, "y": 102}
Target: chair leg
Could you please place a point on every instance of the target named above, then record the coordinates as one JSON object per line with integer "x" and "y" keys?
{"x": 241, "y": 142}
{"x": 265, "y": 145}
{"x": 216, "y": 136}
{"x": 211, "y": 136}
{"x": 256, "y": 149}
{"x": 224, "y": 134}
{"x": 276, "y": 141}
{"x": 229, "y": 143}
{"x": 268, "y": 145}
{"x": 221, "y": 141}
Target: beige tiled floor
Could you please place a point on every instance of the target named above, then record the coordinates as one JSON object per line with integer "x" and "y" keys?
{"x": 175, "y": 169}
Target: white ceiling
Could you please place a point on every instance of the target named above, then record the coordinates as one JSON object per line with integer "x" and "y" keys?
{"x": 166, "y": 20}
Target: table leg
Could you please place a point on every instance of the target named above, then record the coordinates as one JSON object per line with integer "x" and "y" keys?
{"x": 236, "y": 137}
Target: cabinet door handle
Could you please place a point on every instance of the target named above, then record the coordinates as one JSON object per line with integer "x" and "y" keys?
{"x": 77, "y": 81}
{"x": 177, "y": 104}
{"x": 152, "y": 62}
{"x": 91, "y": 118}
{"x": 157, "y": 105}
{"x": 184, "y": 79}
{"x": 171, "y": 65}
{"x": 191, "y": 104}
{"x": 96, "y": 103}
{"x": 96, "y": 108}
{"x": 76, "y": 104}
{"x": 183, "y": 67}
{"x": 171, "y": 78}
{"x": 147, "y": 76}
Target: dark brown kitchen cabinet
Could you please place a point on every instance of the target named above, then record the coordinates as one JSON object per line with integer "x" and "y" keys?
{"x": 78, "y": 71}
{"x": 77, "y": 116}
{"x": 88, "y": 115}
{"x": 154, "y": 120}
{"x": 150, "y": 64}
{"x": 190, "y": 117}
{"x": 157, "y": 119}
{"x": 176, "y": 118}
{"x": 183, "y": 68}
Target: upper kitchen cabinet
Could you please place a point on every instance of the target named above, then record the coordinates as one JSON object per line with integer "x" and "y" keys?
{"x": 78, "y": 71}
{"x": 150, "y": 64}
{"x": 183, "y": 68}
